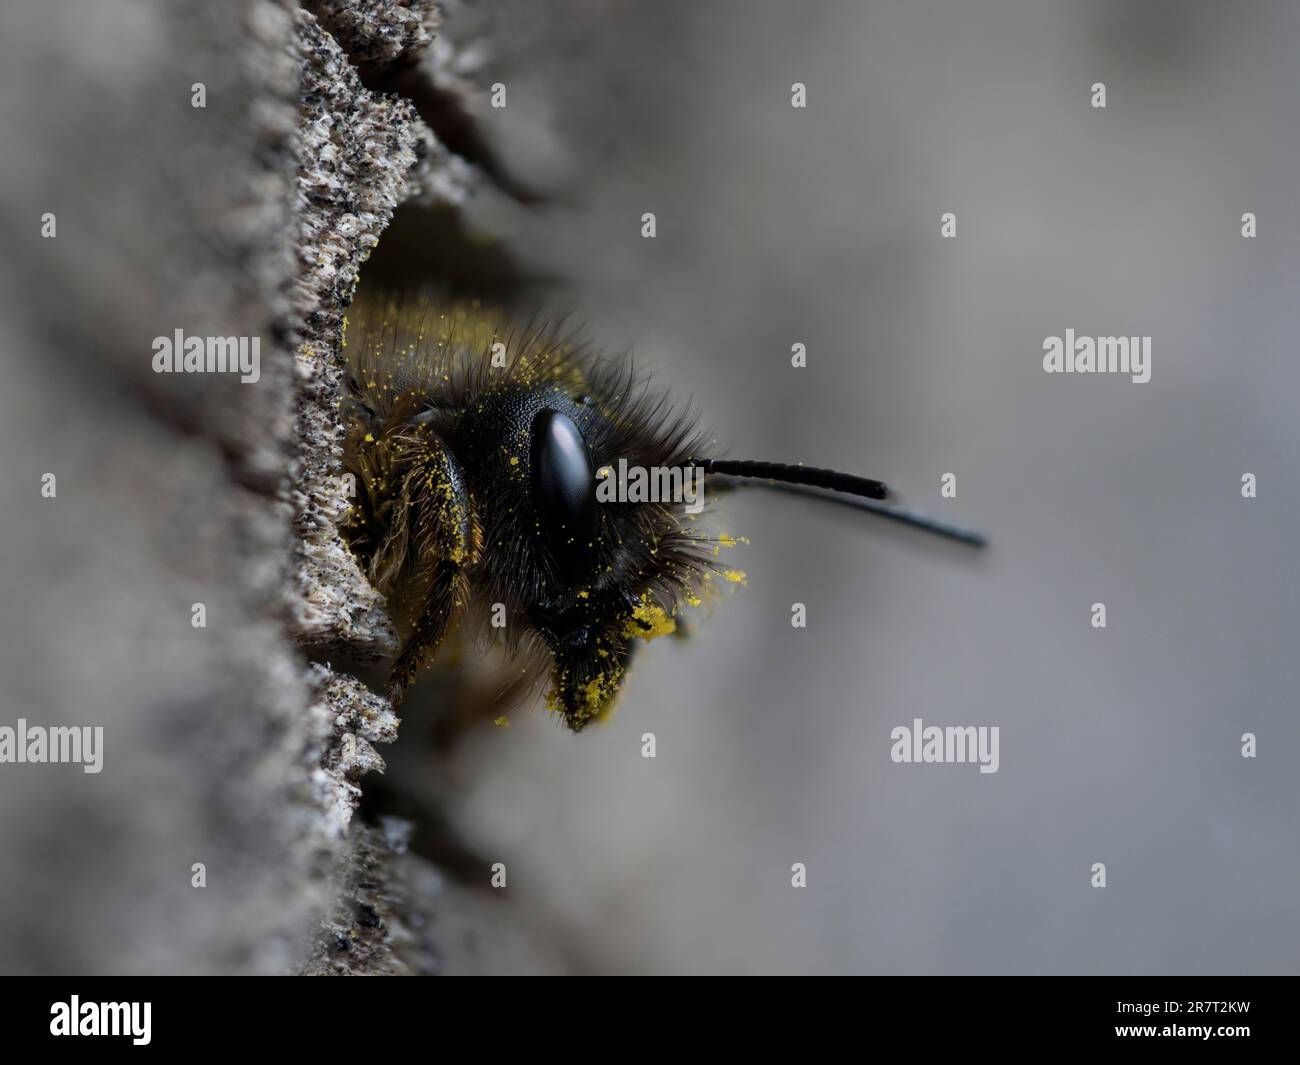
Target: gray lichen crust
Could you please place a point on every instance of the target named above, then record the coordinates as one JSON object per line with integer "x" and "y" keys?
{"x": 377, "y": 34}
{"x": 354, "y": 151}
{"x": 355, "y": 720}
{"x": 360, "y": 155}
{"x": 217, "y": 169}
{"x": 381, "y": 922}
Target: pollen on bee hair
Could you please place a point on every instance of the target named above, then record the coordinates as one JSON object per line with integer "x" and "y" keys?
{"x": 483, "y": 454}
{"x": 466, "y": 504}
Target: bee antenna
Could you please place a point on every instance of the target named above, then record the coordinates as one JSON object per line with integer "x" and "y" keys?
{"x": 832, "y": 480}
{"x": 869, "y": 491}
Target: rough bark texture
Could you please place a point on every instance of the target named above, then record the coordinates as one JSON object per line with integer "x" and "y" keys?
{"x": 382, "y": 918}
{"x": 249, "y": 216}
{"x": 359, "y": 154}
{"x": 377, "y": 34}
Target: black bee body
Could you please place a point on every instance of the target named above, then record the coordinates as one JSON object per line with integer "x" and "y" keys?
{"x": 475, "y": 453}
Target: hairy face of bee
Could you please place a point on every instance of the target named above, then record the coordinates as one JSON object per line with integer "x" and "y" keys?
{"x": 475, "y": 450}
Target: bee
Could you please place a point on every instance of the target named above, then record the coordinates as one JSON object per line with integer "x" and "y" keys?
{"x": 476, "y": 448}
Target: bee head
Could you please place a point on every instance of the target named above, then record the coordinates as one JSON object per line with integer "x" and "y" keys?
{"x": 481, "y": 463}
{"x": 588, "y": 576}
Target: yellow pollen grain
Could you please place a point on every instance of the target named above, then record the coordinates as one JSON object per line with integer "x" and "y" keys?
{"x": 649, "y": 620}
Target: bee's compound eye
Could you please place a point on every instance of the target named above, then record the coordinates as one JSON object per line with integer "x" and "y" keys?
{"x": 564, "y": 493}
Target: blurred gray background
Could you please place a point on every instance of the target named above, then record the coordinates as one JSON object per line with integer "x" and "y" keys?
{"x": 821, "y": 225}
{"x": 775, "y": 226}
